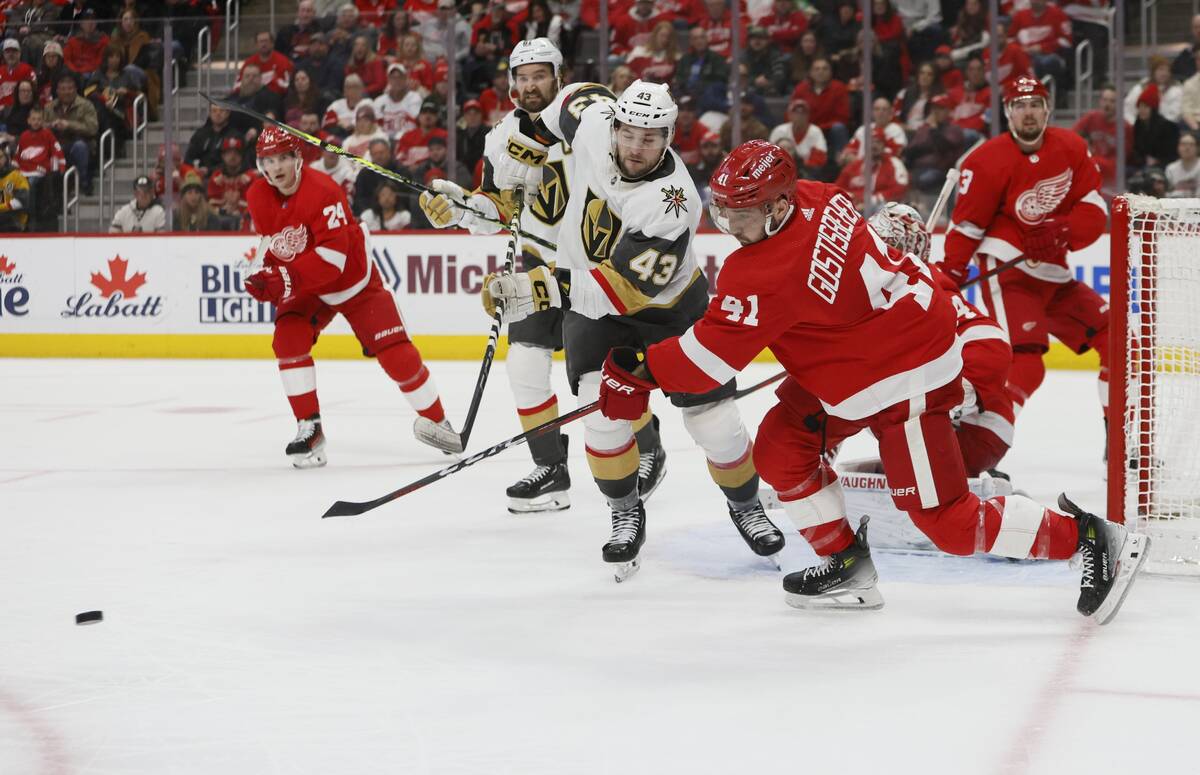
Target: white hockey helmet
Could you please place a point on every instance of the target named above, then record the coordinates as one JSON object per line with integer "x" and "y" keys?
{"x": 649, "y": 106}
{"x": 532, "y": 52}
{"x": 901, "y": 227}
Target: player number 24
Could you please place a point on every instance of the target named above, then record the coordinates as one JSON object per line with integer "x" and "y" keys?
{"x": 337, "y": 215}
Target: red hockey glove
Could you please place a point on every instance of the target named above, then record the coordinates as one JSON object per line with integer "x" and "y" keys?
{"x": 272, "y": 284}
{"x": 943, "y": 279}
{"x": 623, "y": 394}
{"x": 1047, "y": 242}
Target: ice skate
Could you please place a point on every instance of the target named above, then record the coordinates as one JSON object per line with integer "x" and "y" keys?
{"x": 628, "y": 535}
{"x": 544, "y": 489}
{"x": 652, "y": 469}
{"x": 439, "y": 435}
{"x": 307, "y": 450}
{"x": 758, "y": 531}
{"x": 844, "y": 581}
{"x": 1111, "y": 557}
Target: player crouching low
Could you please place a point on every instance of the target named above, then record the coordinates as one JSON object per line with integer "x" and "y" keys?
{"x": 316, "y": 266}
{"x": 868, "y": 340}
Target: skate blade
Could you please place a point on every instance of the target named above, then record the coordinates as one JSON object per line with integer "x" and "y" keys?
{"x": 662, "y": 478}
{"x": 1129, "y": 563}
{"x": 314, "y": 459}
{"x": 623, "y": 570}
{"x": 428, "y": 432}
{"x": 557, "y": 501}
{"x": 858, "y": 599}
{"x": 774, "y": 560}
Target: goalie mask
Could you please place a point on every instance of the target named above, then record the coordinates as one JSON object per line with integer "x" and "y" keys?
{"x": 643, "y": 127}
{"x": 901, "y": 227}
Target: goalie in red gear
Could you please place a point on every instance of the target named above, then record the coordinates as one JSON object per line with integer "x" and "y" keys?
{"x": 1034, "y": 192}
{"x": 315, "y": 265}
{"x": 868, "y": 340}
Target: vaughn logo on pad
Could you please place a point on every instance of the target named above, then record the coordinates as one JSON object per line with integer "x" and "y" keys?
{"x": 117, "y": 295}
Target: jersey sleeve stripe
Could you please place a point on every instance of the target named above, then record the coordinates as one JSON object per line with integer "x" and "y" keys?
{"x": 620, "y": 292}
{"x": 1093, "y": 198}
{"x": 331, "y": 256}
{"x": 705, "y": 359}
{"x": 969, "y": 229}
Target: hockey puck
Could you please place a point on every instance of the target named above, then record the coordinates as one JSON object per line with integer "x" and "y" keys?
{"x": 89, "y": 617}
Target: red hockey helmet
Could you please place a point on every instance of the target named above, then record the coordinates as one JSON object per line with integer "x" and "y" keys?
{"x": 273, "y": 141}
{"x": 756, "y": 172}
{"x": 1025, "y": 86}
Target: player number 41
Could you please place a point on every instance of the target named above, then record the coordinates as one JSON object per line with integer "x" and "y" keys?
{"x": 736, "y": 312}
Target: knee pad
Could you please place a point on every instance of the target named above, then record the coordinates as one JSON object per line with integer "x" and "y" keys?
{"x": 1019, "y": 524}
{"x": 529, "y": 374}
{"x": 718, "y": 429}
{"x": 293, "y": 337}
{"x": 600, "y": 433}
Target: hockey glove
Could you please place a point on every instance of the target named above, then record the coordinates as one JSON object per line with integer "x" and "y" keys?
{"x": 445, "y": 208}
{"x": 1047, "y": 242}
{"x": 625, "y": 384}
{"x": 521, "y": 294}
{"x": 272, "y": 284}
{"x": 521, "y": 165}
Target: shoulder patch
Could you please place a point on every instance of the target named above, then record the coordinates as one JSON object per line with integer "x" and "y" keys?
{"x": 675, "y": 199}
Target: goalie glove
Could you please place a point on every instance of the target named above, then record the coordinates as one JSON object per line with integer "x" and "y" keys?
{"x": 625, "y": 385}
{"x": 521, "y": 294}
{"x": 1047, "y": 242}
{"x": 521, "y": 165}
{"x": 272, "y": 284}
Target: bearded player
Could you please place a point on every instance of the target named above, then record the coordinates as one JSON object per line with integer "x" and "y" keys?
{"x": 315, "y": 266}
{"x": 869, "y": 342}
{"x": 534, "y": 77}
{"x": 1034, "y": 192}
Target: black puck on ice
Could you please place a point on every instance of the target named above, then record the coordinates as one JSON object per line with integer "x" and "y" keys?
{"x": 89, "y": 617}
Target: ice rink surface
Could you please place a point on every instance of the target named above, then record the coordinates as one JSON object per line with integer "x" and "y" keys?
{"x": 243, "y": 635}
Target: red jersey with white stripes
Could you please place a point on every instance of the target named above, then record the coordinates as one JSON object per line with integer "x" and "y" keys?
{"x": 1004, "y": 191}
{"x": 857, "y": 325}
{"x": 314, "y": 234}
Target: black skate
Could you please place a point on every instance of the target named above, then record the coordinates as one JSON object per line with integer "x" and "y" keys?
{"x": 652, "y": 469}
{"x": 628, "y": 535}
{"x": 757, "y": 530}
{"x": 845, "y": 581}
{"x": 545, "y": 489}
{"x": 307, "y": 450}
{"x": 1111, "y": 557}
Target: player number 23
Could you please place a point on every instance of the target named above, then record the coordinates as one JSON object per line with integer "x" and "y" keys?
{"x": 736, "y": 312}
{"x": 337, "y": 215}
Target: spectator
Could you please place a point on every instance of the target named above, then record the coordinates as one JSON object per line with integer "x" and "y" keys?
{"x": 204, "y": 147}
{"x": 420, "y": 10}
{"x": 883, "y": 115}
{"x": 655, "y": 60}
{"x": 346, "y": 29}
{"x": 373, "y": 13}
{"x": 971, "y": 101}
{"x": 15, "y": 117}
{"x": 231, "y": 175}
{"x": 41, "y": 158}
{"x": 970, "y": 32}
{"x": 809, "y": 50}
{"x": 701, "y": 73}
{"x": 397, "y": 107}
{"x": 912, "y": 102}
{"x": 85, "y": 47}
{"x": 688, "y": 131}
{"x": 112, "y": 89}
{"x": 1183, "y": 174}
{"x": 328, "y": 71}
{"x": 1190, "y": 100}
{"x": 15, "y": 198}
{"x": 340, "y": 114}
{"x": 480, "y": 68}
{"x": 292, "y": 39}
{"x": 631, "y": 30}
{"x": 1184, "y": 66}
{"x": 1155, "y": 140}
{"x": 336, "y": 167}
{"x": 413, "y": 147}
{"x": 1170, "y": 92}
{"x": 807, "y": 141}
{"x": 384, "y": 213}
{"x": 1013, "y": 61}
{"x": 472, "y": 131}
{"x": 752, "y": 127}
{"x": 367, "y": 181}
{"x": 233, "y": 213}
{"x": 274, "y": 69}
{"x": 840, "y": 32}
{"x": 367, "y": 66}
{"x": 302, "y": 97}
{"x": 716, "y": 19}
{"x": 1099, "y": 128}
{"x": 922, "y": 21}
{"x": 51, "y": 70}
{"x": 935, "y": 147}
{"x": 193, "y": 212}
{"x": 181, "y": 171}
{"x": 890, "y": 181}
{"x": 412, "y": 56}
{"x": 365, "y": 130}
{"x": 34, "y": 23}
{"x": 1044, "y": 31}
{"x": 495, "y": 99}
{"x": 620, "y": 79}
{"x": 766, "y": 70}
{"x": 711, "y": 156}
{"x": 141, "y": 214}
{"x": 74, "y": 122}
{"x": 541, "y": 23}
{"x": 435, "y": 29}
{"x": 12, "y": 72}
{"x": 828, "y": 102}
{"x": 310, "y": 124}
{"x": 398, "y": 25}
{"x": 784, "y": 24}
{"x": 251, "y": 94}
{"x": 948, "y": 73}
{"x": 497, "y": 27}
{"x": 437, "y": 165}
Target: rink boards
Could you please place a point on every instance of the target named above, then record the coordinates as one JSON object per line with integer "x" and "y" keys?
{"x": 163, "y": 296}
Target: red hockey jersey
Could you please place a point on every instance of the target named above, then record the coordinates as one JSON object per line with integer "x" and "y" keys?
{"x": 314, "y": 234}
{"x": 1003, "y": 191}
{"x": 855, "y": 323}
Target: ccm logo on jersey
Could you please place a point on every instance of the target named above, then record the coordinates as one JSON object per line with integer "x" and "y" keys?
{"x": 289, "y": 243}
{"x": 525, "y": 154}
{"x": 617, "y": 386}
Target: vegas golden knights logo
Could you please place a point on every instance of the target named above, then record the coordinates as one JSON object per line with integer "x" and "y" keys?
{"x": 599, "y": 229}
{"x": 553, "y": 193}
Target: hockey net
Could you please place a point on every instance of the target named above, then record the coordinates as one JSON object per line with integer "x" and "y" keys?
{"x": 1154, "y": 384}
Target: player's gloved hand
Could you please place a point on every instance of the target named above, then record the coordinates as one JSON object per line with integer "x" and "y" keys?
{"x": 272, "y": 284}
{"x": 521, "y": 294}
{"x": 957, "y": 275}
{"x": 521, "y": 166}
{"x": 625, "y": 384}
{"x": 1048, "y": 241}
{"x": 942, "y": 278}
{"x": 445, "y": 209}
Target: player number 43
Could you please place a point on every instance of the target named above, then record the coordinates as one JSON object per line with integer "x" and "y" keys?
{"x": 736, "y": 309}
{"x": 337, "y": 215}
{"x": 652, "y": 266}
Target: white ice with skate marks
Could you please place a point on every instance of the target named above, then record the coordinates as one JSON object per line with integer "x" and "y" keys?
{"x": 440, "y": 634}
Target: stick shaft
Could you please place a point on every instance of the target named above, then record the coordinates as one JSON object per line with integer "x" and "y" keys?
{"x": 943, "y": 197}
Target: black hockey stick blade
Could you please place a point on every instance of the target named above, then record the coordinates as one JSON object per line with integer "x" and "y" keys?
{"x": 1004, "y": 267}
{"x": 759, "y": 385}
{"x": 352, "y": 508}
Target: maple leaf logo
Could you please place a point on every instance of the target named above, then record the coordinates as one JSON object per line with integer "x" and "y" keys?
{"x": 251, "y": 254}
{"x": 117, "y": 280}
{"x": 6, "y": 266}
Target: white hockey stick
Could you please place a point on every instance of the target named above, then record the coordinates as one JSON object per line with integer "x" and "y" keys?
{"x": 943, "y": 197}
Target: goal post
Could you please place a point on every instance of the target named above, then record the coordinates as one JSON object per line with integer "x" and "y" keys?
{"x": 1154, "y": 377}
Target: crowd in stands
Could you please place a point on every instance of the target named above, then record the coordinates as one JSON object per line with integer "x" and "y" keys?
{"x": 373, "y": 76}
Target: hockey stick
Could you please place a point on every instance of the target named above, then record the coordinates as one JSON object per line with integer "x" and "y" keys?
{"x": 436, "y": 435}
{"x": 353, "y": 508}
{"x": 943, "y": 197}
{"x": 1004, "y": 267}
{"x": 325, "y": 145}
